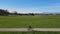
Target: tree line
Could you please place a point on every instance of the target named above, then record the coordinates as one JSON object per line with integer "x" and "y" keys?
{"x": 6, "y": 13}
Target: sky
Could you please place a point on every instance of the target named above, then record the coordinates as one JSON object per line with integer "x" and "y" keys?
{"x": 31, "y": 6}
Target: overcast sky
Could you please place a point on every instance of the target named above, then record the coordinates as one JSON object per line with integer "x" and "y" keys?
{"x": 31, "y": 6}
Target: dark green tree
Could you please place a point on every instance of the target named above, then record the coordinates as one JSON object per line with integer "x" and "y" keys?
{"x": 4, "y": 12}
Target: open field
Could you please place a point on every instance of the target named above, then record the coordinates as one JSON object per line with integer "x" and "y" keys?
{"x": 35, "y": 21}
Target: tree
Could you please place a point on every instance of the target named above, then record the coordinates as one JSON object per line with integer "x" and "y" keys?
{"x": 4, "y": 12}
{"x": 15, "y": 13}
{"x": 31, "y": 14}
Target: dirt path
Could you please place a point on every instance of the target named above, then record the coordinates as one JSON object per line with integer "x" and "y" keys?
{"x": 26, "y": 29}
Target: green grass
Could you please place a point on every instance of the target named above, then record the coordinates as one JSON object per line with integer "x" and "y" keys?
{"x": 29, "y": 32}
{"x": 35, "y": 21}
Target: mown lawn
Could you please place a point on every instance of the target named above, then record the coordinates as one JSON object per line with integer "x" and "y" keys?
{"x": 35, "y": 21}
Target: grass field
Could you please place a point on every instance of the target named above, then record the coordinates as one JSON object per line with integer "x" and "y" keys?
{"x": 29, "y": 32}
{"x": 35, "y": 21}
